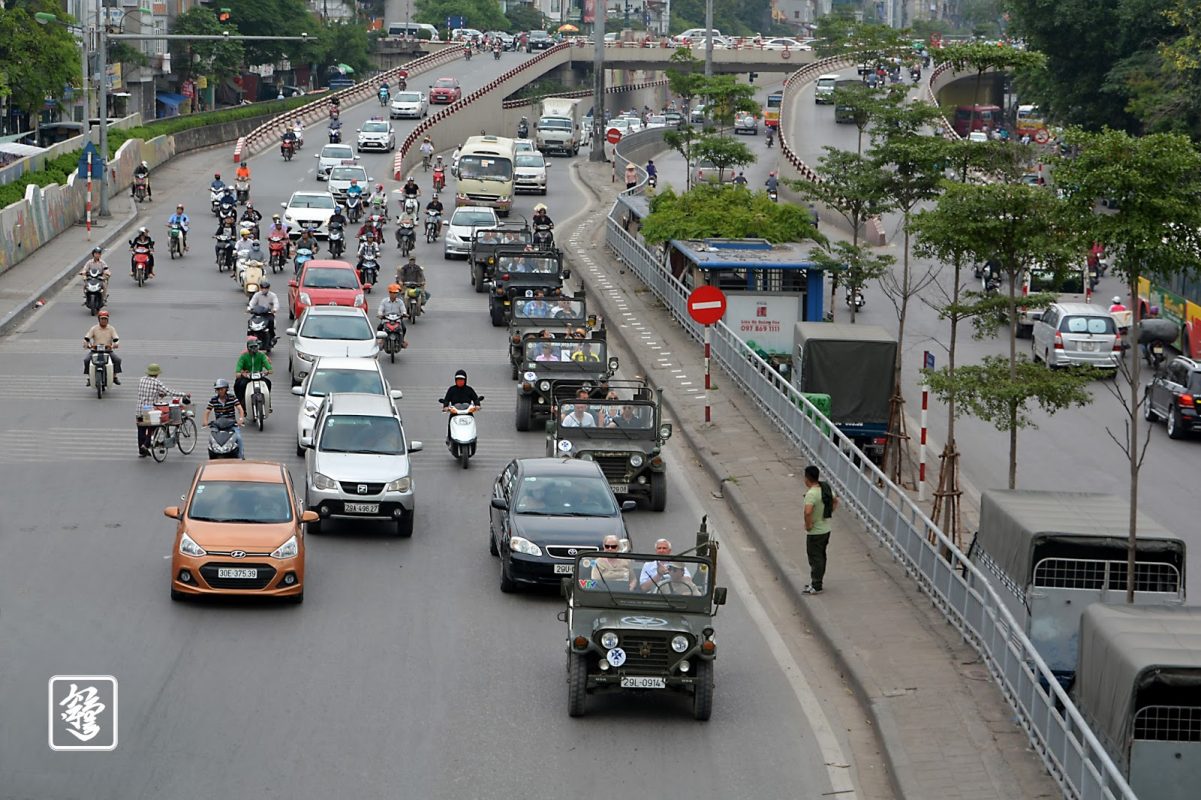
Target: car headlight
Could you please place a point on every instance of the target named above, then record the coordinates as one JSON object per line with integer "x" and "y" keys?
{"x": 358, "y": 299}
{"x": 636, "y": 460}
{"x": 609, "y": 640}
{"x": 323, "y": 482}
{"x": 544, "y": 386}
{"x": 520, "y": 545}
{"x": 311, "y": 408}
{"x": 289, "y": 549}
{"x": 303, "y": 356}
{"x": 399, "y": 485}
{"x": 679, "y": 643}
{"x": 305, "y": 300}
{"x": 188, "y": 547}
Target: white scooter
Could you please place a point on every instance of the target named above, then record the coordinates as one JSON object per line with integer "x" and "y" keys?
{"x": 250, "y": 275}
{"x": 100, "y": 370}
{"x": 258, "y": 399}
{"x": 462, "y": 431}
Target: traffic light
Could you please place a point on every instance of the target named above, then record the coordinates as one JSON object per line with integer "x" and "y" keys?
{"x": 752, "y": 76}
{"x": 223, "y": 15}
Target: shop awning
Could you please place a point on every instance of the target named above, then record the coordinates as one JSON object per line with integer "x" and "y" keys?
{"x": 169, "y": 99}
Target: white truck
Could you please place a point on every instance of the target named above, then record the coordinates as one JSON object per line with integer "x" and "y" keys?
{"x": 559, "y": 127}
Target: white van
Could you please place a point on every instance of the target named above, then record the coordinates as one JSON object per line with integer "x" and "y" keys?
{"x": 824, "y": 92}
{"x": 412, "y": 30}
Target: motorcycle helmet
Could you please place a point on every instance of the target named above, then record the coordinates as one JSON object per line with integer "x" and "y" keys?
{"x": 379, "y": 187}
{"x": 179, "y": 207}
{"x": 541, "y": 207}
{"x": 220, "y": 383}
{"x": 96, "y": 250}
{"x": 245, "y": 231}
{"x": 275, "y": 217}
{"x": 1117, "y": 301}
{"x": 145, "y": 165}
{"x": 103, "y": 315}
{"x": 393, "y": 288}
{"x": 249, "y": 205}
{"x": 461, "y": 375}
{"x": 252, "y": 343}
{"x": 216, "y": 176}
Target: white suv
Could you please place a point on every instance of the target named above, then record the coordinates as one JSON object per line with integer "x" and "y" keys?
{"x": 335, "y": 374}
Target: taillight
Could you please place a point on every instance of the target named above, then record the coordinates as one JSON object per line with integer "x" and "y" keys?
{"x": 1058, "y": 340}
{"x": 1117, "y": 344}
{"x": 1187, "y": 400}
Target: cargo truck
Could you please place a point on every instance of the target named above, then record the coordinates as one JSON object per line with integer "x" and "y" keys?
{"x": 558, "y": 128}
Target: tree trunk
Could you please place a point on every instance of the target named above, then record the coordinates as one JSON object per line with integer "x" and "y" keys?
{"x": 904, "y": 310}
{"x": 1013, "y": 374}
{"x": 1013, "y": 445}
{"x": 1135, "y": 456}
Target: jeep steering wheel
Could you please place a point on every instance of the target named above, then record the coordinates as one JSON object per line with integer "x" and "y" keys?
{"x": 668, "y": 584}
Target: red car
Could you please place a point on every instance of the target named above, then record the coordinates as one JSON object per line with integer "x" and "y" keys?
{"x": 325, "y": 283}
{"x": 445, "y": 90}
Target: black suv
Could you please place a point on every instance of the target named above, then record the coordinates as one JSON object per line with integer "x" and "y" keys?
{"x": 1173, "y": 396}
{"x": 538, "y": 40}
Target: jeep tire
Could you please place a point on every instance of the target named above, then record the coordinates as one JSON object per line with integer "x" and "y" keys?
{"x": 525, "y": 412}
{"x": 577, "y": 684}
{"x": 658, "y": 496}
{"x": 702, "y": 698}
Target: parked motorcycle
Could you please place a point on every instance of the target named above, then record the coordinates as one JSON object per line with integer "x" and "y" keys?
{"x": 222, "y": 443}
{"x": 433, "y": 226}
{"x": 258, "y": 400}
{"x": 141, "y": 262}
{"x": 94, "y": 290}
{"x": 259, "y": 326}
{"x": 224, "y": 252}
{"x": 855, "y": 299}
{"x": 100, "y": 369}
{"x": 277, "y": 249}
{"x": 394, "y": 330}
{"x": 463, "y": 432}
{"x": 406, "y": 237}
{"x": 242, "y": 191}
{"x": 337, "y": 241}
{"x": 414, "y": 300}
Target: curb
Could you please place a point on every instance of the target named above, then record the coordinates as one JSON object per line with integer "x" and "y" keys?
{"x": 884, "y": 726}
{"x": 18, "y": 314}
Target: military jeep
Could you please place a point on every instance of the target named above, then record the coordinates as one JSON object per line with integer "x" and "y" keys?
{"x": 553, "y": 370}
{"x": 624, "y": 436}
{"x": 520, "y": 274}
{"x": 546, "y": 318}
{"x": 482, "y": 256}
{"x": 637, "y": 622}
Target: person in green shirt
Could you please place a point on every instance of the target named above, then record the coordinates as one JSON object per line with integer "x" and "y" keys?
{"x": 817, "y": 527}
{"x": 251, "y": 361}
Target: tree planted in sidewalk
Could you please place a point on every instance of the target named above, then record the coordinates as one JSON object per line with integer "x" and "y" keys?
{"x": 855, "y": 264}
{"x": 1154, "y": 233}
{"x": 686, "y": 77}
{"x": 724, "y": 154}
{"x": 732, "y": 212}
{"x": 684, "y": 141}
{"x": 726, "y": 98}
{"x": 36, "y": 61}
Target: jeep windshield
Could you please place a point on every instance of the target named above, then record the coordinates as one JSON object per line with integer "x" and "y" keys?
{"x": 527, "y": 264}
{"x": 587, "y": 353}
{"x": 633, "y": 580}
{"x": 541, "y": 310}
{"x": 613, "y": 417}
{"x": 499, "y": 237}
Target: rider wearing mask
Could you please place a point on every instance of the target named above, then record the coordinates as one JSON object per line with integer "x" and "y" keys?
{"x": 143, "y": 240}
{"x": 460, "y": 392}
{"x": 278, "y": 228}
{"x": 411, "y": 189}
{"x": 265, "y": 298}
{"x": 217, "y": 185}
{"x": 181, "y": 219}
{"x": 252, "y": 214}
{"x": 393, "y": 304}
{"x": 142, "y": 171}
{"x": 97, "y": 263}
{"x": 252, "y": 360}
{"x": 379, "y": 201}
{"x": 308, "y": 239}
{"x": 368, "y": 247}
{"x": 223, "y": 404}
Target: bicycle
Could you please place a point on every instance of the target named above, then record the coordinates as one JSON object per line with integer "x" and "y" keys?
{"x": 178, "y": 431}
{"x": 425, "y": 161}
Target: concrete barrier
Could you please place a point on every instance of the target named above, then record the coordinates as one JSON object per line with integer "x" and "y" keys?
{"x": 11, "y": 173}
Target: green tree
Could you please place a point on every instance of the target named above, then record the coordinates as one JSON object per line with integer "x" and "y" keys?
{"x": 484, "y": 15}
{"x": 36, "y": 61}
{"x": 1153, "y": 231}
{"x": 865, "y": 104}
{"x": 726, "y": 97}
{"x": 722, "y": 152}
{"x": 686, "y": 77}
{"x": 214, "y": 59}
{"x": 341, "y": 43}
{"x": 856, "y": 264}
{"x": 731, "y": 212}
{"x": 732, "y": 19}
{"x": 521, "y": 17}
{"x": 273, "y": 18}
{"x": 684, "y": 142}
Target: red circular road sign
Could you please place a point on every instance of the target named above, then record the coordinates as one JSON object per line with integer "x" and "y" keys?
{"x": 707, "y": 304}
{"x": 613, "y": 136}
{"x": 1041, "y": 136}
{"x": 785, "y": 54}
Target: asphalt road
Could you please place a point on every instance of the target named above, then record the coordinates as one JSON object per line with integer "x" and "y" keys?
{"x": 1070, "y": 451}
{"x": 406, "y": 672}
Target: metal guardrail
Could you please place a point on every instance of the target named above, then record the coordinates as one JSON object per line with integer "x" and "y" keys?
{"x": 1058, "y": 732}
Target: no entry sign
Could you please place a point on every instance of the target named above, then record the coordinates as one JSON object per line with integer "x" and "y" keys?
{"x": 613, "y": 136}
{"x": 706, "y": 304}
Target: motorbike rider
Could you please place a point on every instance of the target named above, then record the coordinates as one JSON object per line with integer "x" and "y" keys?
{"x": 251, "y": 217}
{"x": 307, "y": 239}
{"x": 102, "y": 334}
{"x": 393, "y": 304}
{"x": 142, "y": 172}
{"x": 439, "y": 173}
{"x": 652, "y": 172}
{"x": 152, "y": 391}
{"x": 244, "y": 247}
{"x": 143, "y": 240}
{"x": 252, "y": 360}
{"x": 335, "y": 130}
{"x": 97, "y": 264}
{"x": 412, "y": 274}
{"x": 411, "y": 191}
{"x": 383, "y": 90}
{"x": 379, "y": 201}
{"x": 181, "y": 219}
{"x": 368, "y": 248}
{"x": 460, "y": 392}
{"x": 278, "y": 228}
{"x": 242, "y": 173}
{"x": 218, "y": 185}
{"x": 523, "y": 129}
{"x": 741, "y": 179}
{"x": 223, "y": 404}
{"x": 289, "y": 139}
{"x": 541, "y": 217}
{"x": 265, "y": 298}
{"x": 226, "y": 226}
{"x": 427, "y": 149}
{"x": 298, "y": 129}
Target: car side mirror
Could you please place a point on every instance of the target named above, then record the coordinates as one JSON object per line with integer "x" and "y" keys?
{"x": 306, "y": 441}
{"x": 283, "y": 205}
{"x": 298, "y": 391}
{"x": 719, "y": 596}
{"x": 396, "y": 394}
{"x": 310, "y": 516}
{"x": 629, "y": 505}
{"x": 359, "y": 130}
{"x": 172, "y": 512}
{"x": 499, "y": 504}
{"x": 290, "y": 332}
{"x": 614, "y": 364}
{"x": 370, "y": 179}
{"x": 381, "y": 335}
{"x": 315, "y": 155}
{"x": 416, "y": 446}
{"x": 566, "y": 274}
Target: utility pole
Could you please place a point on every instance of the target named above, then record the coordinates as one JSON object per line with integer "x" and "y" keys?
{"x": 708, "y": 38}
{"x": 102, "y": 102}
{"x": 598, "y": 80}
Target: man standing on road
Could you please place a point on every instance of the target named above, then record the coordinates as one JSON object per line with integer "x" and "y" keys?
{"x": 819, "y": 507}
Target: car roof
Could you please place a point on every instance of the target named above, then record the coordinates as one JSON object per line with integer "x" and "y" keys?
{"x": 362, "y": 405}
{"x": 1085, "y": 309}
{"x": 328, "y": 263}
{"x": 256, "y": 471}
{"x": 335, "y": 311}
{"x": 557, "y": 466}
{"x": 304, "y": 193}
{"x": 829, "y": 75}
{"x": 337, "y": 147}
{"x": 347, "y": 364}
{"x": 474, "y": 208}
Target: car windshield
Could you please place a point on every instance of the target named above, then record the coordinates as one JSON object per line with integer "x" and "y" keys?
{"x": 522, "y": 236}
{"x": 351, "y": 433}
{"x": 322, "y": 201}
{"x": 530, "y": 160}
{"x": 240, "y": 501}
{"x": 524, "y": 264}
{"x": 408, "y": 97}
{"x": 330, "y": 278}
{"x": 348, "y": 173}
{"x": 607, "y": 414}
{"x": 375, "y": 127}
{"x": 485, "y": 168}
{"x": 628, "y": 575}
{"x": 473, "y": 219}
{"x": 347, "y": 328}
{"x": 337, "y": 152}
{"x": 572, "y": 496}
{"x": 444, "y": 83}
{"x": 357, "y": 381}
{"x": 581, "y": 351}
{"x": 656, "y": 120}
{"x": 1090, "y": 325}
{"x": 539, "y": 35}
{"x": 554, "y": 122}
{"x": 542, "y": 309}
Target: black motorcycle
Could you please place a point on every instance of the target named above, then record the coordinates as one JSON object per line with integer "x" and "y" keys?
{"x": 406, "y": 239}
{"x": 337, "y": 241}
{"x": 225, "y": 252}
{"x": 259, "y": 326}
{"x": 93, "y": 291}
{"x": 368, "y": 271}
{"x": 335, "y": 136}
{"x": 543, "y": 238}
{"x": 222, "y": 441}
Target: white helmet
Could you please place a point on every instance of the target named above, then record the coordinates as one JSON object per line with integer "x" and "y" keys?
{"x": 1117, "y": 301}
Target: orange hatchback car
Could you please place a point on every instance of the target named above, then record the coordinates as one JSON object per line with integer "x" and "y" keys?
{"x": 240, "y": 533}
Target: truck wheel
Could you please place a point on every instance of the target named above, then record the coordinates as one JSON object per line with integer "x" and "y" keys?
{"x": 702, "y": 698}
{"x": 525, "y": 412}
{"x": 658, "y": 492}
{"x": 577, "y": 684}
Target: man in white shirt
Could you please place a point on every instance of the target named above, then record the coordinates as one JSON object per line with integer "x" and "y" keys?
{"x": 579, "y": 418}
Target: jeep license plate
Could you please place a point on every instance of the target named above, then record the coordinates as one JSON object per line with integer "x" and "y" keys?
{"x": 362, "y": 508}
{"x": 620, "y": 488}
{"x": 640, "y": 682}
{"x": 237, "y": 572}
{"x": 563, "y": 569}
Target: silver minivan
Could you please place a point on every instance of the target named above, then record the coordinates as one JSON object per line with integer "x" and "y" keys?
{"x": 824, "y": 91}
{"x": 1076, "y": 334}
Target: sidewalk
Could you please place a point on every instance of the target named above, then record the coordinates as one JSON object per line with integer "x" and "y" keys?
{"x": 946, "y": 731}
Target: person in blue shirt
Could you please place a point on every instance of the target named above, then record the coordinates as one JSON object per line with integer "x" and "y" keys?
{"x": 651, "y": 170}
{"x": 217, "y": 185}
{"x": 182, "y": 220}
{"x": 354, "y": 188}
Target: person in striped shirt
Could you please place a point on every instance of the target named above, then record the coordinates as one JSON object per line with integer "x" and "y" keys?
{"x": 224, "y": 404}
